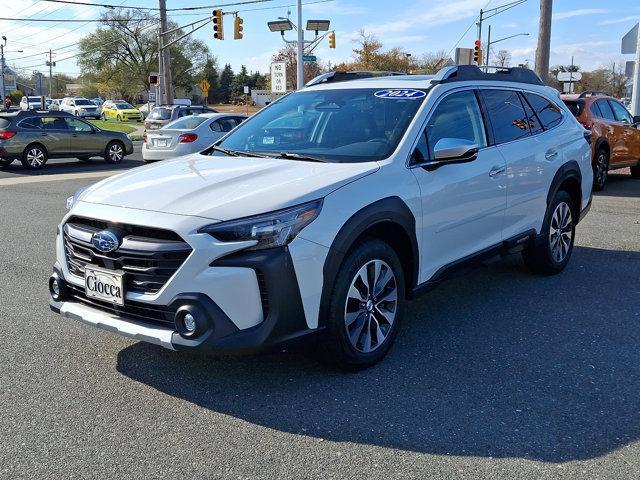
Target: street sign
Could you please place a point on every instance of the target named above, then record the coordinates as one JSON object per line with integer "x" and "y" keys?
{"x": 309, "y": 58}
{"x": 569, "y": 76}
{"x": 204, "y": 85}
{"x": 464, "y": 56}
{"x": 246, "y": 90}
{"x": 628, "y": 68}
{"x": 204, "y": 94}
{"x": 279, "y": 77}
{"x": 630, "y": 41}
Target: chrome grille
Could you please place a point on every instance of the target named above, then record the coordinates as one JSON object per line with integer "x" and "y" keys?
{"x": 147, "y": 256}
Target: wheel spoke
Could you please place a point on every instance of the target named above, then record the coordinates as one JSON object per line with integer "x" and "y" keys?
{"x": 382, "y": 282}
{"x": 356, "y": 330}
{"x": 352, "y": 317}
{"x": 355, "y": 293}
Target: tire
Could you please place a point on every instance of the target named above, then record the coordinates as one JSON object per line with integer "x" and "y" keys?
{"x": 76, "y": 113}
{"x": 119, "y": 118}
{"x": 552, "y": 253}
{"x": 5, "y": 162}
{"x": 600, "y": 169}
{"x": 34, "y": 157}
{"x": 102, "y": 117}
{"x": 635, "y": 172}
{"x": 115, "y": 152}
{"x": 360, "y": 331}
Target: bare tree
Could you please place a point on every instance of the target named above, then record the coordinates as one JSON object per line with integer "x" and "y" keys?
{"x": 503, "y": 58}
{"x": 431, "y": 62}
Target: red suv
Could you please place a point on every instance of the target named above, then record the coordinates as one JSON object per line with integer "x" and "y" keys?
{"x": 616, "y": 137}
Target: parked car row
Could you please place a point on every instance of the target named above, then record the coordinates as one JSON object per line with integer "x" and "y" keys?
{"x": 616, "y": 136}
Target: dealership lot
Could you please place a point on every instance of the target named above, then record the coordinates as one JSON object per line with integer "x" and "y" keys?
{"x": 498, "y": 374}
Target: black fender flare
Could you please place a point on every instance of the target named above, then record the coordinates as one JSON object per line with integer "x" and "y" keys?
{"x": 599, "y": 143}
{"x": 571, "y": 169}
{"x": 390, "y": 209}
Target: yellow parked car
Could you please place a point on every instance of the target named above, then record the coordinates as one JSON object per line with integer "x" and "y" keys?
{"x": 121, "y": 111}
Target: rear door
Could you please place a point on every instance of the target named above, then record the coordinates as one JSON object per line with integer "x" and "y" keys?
{"x": 631, "y": 133}
{"x": 615, "y": 133}
{"x": 57, "y": 136}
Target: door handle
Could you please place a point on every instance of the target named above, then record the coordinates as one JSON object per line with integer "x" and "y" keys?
{"x": 497, "y": 171}
{"x": 551, "y": 154}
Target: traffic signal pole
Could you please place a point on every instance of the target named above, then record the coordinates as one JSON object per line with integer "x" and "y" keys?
{"x": 300, "y": 62}
{"x": 544, "y": 40}
{"x": 164, "y": 57}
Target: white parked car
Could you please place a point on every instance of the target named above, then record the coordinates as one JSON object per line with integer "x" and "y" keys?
{"x": 188, "y": 135}
{"x": 30, "y": 103}
{"x": 80, "y": 107}
{"x": 54, "y": 106}
{"x": 319, "y": 216}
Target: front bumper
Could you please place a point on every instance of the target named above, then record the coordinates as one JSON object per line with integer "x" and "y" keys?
{"x": 95, "y": 114}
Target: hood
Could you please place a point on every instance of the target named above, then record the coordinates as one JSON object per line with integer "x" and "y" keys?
{"x": 129, "y": 110}
{"x": 223, "y": 188}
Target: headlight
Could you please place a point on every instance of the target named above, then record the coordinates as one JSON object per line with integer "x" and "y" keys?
{"x": 74, "y": 198}
{"x": 268, "y": 230}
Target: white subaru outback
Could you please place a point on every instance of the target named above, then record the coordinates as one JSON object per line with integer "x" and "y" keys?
{"x": 322, "y": 214}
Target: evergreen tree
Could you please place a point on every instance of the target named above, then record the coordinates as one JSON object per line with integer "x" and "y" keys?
{"x": 239, "y": 82}
{"x": 226, "y": 79}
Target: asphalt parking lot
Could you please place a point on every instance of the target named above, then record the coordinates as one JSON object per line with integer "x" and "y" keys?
{"x": 498, "y": 374}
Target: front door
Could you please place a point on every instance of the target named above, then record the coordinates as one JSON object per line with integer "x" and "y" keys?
{"x": 82, "y": 136}
{"x": 462, "y": 203}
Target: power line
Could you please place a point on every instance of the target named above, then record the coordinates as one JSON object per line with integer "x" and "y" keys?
{"x": 67, "y": 20}
{"x": 201, "y": 7}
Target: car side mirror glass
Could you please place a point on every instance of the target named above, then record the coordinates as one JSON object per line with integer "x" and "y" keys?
{"x": 454, "y": 150}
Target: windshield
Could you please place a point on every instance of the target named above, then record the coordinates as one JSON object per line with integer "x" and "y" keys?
{"x": 124, "y": 106}
{"x": 186, "y": 123}
{"x": 160, "y": 113}
{"x": 346, "y": 125}
{"x": 82, "y": 101}
{"x": 34, "y": 99}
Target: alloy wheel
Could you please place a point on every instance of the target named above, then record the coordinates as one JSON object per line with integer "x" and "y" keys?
{"x": 560, "y": 232}
{"x": 115, "y": 152}
{"x": 371, "y": 306}
{"x": 35, "y": 157}
{"x": 601, "y": 170}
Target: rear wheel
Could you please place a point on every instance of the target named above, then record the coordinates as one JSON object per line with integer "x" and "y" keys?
{"x": 366, "y": 307}
{"x": 600, "y": 169}
{"x": 34, "y": 157}
{"x": 114, "y": 153}
{"x": 635, "y": 172}
{"x": 555, "y": 246}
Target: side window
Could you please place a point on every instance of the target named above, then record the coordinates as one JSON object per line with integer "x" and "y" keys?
{"x": 215, "y": 126}
{"x": 457, "y": 116}
{"x": 534, "y": 122}
{"x": 421, "y": 152}
{"x": 78, "y": 125}
{"x": 508, "y": 118}
{"x": 595, "y": 109}
{"x": 548, "y": 112}
{"x": 32, "y": 123}
{"x": 227, "y": 124}
{"x": 238, "y": 120}
{"x": 605, "y": 109}
{"x": 54, "y": 123}
{"x": 621, "y": 113}
{"x": 183, "y": 112}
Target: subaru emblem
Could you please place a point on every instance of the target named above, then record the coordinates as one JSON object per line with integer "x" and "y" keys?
{"x": 105, "y": 241}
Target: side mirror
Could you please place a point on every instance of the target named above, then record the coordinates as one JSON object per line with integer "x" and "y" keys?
{"x": 636, "y": 119}
{"x": 450, "y": 150}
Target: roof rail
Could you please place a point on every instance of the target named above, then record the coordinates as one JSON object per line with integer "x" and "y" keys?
{"x": 33, "y": 112}
{"x": 590, "y": 93}
{"x": 343, "y": 76}
{"x": 462, "y": 73}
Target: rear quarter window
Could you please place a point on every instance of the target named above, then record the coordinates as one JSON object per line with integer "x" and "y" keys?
{"x": 548, "y": 112}
{"x": 507, "y": 115}
{"x": 576, "y": 107}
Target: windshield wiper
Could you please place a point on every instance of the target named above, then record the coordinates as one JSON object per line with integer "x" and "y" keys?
{"x": 298, "y": 156}
{"x": 237, "y": 153}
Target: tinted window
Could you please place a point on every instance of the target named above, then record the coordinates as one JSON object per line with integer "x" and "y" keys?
{"x": 31, "y": 123}
{"x": 124, "y": 106}
{"x": 548, "y": 112}
{"x": 186, "y": 123}
{"x": 457, "y": 116}
{"x": 82, "y": 101}
{"x": 595, "y": 109}
{"x": 34, "y": 99}
{"x": 508, "y": 118}
{"x": 605, "y": 110}
{"x": 223, "y": 125}
{"x": 575, "y": 106}
{"x": 336, "y": 125}
{"x": 78, "y": 125}
{"x": 54, "y": 123}
{"x": 621, "y": 113}
{"x": 534, "y": 122}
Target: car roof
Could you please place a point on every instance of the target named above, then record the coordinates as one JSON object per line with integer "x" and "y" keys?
{"x": 220, "y": 115}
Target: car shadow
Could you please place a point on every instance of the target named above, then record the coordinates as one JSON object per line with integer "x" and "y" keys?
{"x": 620, "y": 184}
{"x": 498, "y": 363}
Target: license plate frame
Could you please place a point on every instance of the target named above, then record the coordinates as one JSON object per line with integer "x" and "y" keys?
{"x": 112, "y": 281}
{"x": 161, "y": 143}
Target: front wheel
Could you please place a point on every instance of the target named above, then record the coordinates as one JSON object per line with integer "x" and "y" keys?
{"x": 365, "y": 308}
{"x": 119, "y": 118}
{"x": 114, "y": 153}
{"x": 600, "y": 170}
{"x": 554, "y": 247}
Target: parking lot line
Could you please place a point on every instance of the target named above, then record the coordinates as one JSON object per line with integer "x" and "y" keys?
{"x": 57, "y": 177}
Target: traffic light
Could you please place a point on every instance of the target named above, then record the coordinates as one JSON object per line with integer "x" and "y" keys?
{"x": 477, "y": 52}
{"x": 218, "y": 34}
{"x": 237, "y": 28}
{"x": 332, "y": 40}
{"x": 153, "y": 79}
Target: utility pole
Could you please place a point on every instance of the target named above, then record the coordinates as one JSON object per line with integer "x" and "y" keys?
{"x": 544, "y": 40}
{"x": 164, "y": 53}
{"x": 2, "y": 92}
{"x": 50, "y": 75}
{"x": 486, "y": 60}
{"x": 300, "y": 62}
{"x": 159, "y": 87}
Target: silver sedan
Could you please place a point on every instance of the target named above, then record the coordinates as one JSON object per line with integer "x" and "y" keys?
{"x": 188, "y": 135}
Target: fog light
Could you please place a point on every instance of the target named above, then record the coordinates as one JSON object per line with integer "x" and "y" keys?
{"x": 57, "y": 288}
{"x": 189, "y": 323}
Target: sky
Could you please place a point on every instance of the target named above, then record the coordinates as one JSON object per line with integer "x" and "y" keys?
{"x": 587, "y": 29}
